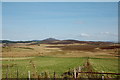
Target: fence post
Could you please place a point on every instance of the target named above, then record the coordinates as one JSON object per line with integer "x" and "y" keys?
{"x": 74, "y": 73}
{"x": 29, "y": 75}
{"x": 79, "y": 70}
{"x": 38, "y": 77}
{"x": 103, "y": 75}
{"x": 54, "y": 75}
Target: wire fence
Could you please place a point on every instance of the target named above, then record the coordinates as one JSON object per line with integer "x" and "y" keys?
{"x": 76, "y": 73}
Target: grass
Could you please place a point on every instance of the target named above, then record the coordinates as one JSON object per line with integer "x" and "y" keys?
{"x": 72, "y": 50}
{"x": 43, "y": 64}
{"x": 70, "y": 56}
{"x": 58, "y": 64}
{"x": 105, "y": 64}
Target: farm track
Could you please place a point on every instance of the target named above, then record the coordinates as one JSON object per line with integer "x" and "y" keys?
{"x": 17, "y": 58}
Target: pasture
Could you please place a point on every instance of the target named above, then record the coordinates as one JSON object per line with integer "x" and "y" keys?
{"x": 42, "y": 59}
{"x": 42, "y": 64}
{"x": 55, "y": 64}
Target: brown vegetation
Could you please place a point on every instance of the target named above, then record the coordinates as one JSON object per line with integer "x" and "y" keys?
{"x": 73, "y": 49}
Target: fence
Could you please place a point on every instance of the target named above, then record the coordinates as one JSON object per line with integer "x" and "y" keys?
{"x": 82, "y": 72}
{"x": 76, "y": 73}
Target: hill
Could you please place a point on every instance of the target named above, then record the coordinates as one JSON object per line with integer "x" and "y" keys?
{"x": 56, "y": 41}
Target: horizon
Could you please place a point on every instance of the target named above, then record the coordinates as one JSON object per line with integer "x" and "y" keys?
{"x": 91, "y": 21}
{"x": 62, "y": 39}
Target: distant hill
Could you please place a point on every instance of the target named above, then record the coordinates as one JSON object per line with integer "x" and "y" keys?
{"x": 56, "y": 41}
{"x": 7, "y": 41}
{"x": 36, "y": 40}
{"x": 49, "y": 40}
{"x": 64, "y": 42}
{"x": 45, "y": 41}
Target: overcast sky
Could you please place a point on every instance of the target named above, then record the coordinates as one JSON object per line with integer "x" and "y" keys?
{"x": 60, "y": 20}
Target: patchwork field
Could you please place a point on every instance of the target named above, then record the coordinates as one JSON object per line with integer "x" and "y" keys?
{"x": 59, "y": 50}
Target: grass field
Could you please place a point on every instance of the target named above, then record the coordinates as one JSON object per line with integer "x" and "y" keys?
{"x": 57, "y": 64}
{"x": 105, "y": 64}
{"x": 59, "y": 50}
{"x": 55, "y": 58}
{"x": 48, "y": 64}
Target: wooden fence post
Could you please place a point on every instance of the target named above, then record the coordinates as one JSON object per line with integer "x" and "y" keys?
{"x": 74, "y": 73}
{"x": 103, "y": 75}
{"x": 79, "y": 70}
{"x": 29, "y": 75}
{"x": 38, "y": 77}
{"x": 54, "y": 75}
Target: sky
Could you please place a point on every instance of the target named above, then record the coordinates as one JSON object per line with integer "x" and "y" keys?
{"x": 60, "y": 0}
{"x": 0, "y": 20}
{"x": 94, "y": 21}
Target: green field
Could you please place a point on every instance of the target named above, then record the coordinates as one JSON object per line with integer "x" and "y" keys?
{"x": 105, "y": 64}
{"x": 57, "y": 64}
{"x": 42, "y": 64}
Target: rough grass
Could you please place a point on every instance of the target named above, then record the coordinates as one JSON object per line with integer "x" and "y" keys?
{"x": 76, "y": 47}
{"x": 105, "y": 64}
{"x": 65, "y": 57}
{"x": 57, "y": 64}
{"x": 69, "y": 50}
{"x": 42, "y": 64}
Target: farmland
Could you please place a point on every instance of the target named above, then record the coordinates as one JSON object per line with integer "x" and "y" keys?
{"x": 59, "y": 65}
{"x": 48, "y": 64}
{"x": 57, "y": 57}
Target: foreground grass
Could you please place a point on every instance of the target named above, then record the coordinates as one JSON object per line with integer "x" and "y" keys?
{"x": 105, "y": 64}
{"x": 42, "y": 64}
{"x": 57, "y": 64}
